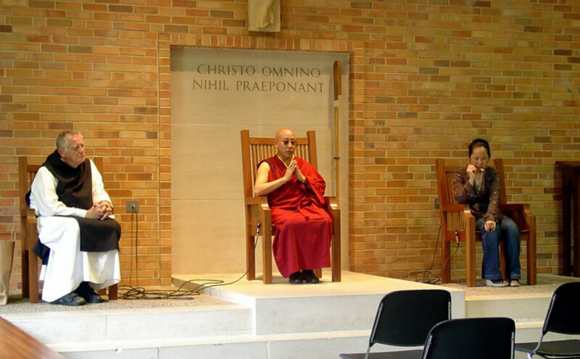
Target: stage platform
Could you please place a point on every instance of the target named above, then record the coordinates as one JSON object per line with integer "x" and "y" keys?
{"x": 252, "y": 320}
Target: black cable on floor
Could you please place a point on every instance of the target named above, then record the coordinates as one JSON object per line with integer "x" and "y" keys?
{"x": 425, "y": 276}
{"x": 133, "y": 293}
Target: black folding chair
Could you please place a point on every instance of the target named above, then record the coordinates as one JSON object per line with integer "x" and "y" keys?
{"x": 563, "y": 318}
{"x": 404, "y": 319}
{"x": 473, "y": 338}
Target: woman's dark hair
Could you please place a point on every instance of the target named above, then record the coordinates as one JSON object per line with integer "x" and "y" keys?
{"x": 479, "y": 142}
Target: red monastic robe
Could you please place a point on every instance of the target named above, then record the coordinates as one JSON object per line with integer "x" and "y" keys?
{"x": 303, "y": 229}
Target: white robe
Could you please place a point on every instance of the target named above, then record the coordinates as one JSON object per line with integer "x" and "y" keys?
{"x": 67, "y": 265}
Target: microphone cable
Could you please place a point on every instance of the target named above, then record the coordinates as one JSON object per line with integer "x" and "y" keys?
{"x": 426, "y": 276}
{"x": 137, "y": 292}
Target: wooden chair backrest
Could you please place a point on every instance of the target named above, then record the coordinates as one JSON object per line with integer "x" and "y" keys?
{"x": 451, "y": 220}
{"x": 26, "y": 173}
{"x": 257, "y": 149}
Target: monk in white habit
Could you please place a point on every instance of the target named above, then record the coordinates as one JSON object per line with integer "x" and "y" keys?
{"x": 78, "y": 239}
{"x": 303, "y": 229}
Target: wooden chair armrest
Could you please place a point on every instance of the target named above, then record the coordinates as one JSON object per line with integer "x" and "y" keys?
{"x": 528, "y": 215}
{"x": 30, "y": 216}
{"x": 256, "y": 201}
{"x": 259, "y": 210}
{"x": 456, "y": 208}
{"x": 512, "y": 207}
{"x": 331, "y": 202}
{"x": 466, "y": 214}
{"x": 518, "y": 210}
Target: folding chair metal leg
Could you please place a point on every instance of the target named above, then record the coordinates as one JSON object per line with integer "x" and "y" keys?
{"x": 368, "y": 353}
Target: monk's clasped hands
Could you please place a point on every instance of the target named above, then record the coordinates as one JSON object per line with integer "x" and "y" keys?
{"x": 294, "y": 169}
{"x": 100, "y": 210}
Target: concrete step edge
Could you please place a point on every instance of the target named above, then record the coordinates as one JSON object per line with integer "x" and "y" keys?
{"x": 136, "y": 311}
{"x": 157, "y": 343}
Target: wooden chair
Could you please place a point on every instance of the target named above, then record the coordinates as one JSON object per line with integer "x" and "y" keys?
{"x": 458, "y": 224}
{"x": 254, "y": 150}
{"x": 29, "y": 235}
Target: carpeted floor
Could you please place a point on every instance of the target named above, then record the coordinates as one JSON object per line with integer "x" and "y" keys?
{"x": 546, "y": 284}
{"x": 20, "y": 306}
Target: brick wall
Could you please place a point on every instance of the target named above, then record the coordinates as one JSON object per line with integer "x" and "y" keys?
{"x": 427, "y": 76}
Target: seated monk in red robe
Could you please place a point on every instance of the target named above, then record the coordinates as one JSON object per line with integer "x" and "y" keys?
{"x": 303, "y": 228}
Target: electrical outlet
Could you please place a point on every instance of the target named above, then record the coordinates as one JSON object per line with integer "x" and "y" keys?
{"x": 436, "y": 203}
{"x": 132, "y": 207}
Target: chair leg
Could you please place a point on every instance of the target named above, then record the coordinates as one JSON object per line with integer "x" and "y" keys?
{"x": 336, "y": 260}
{"x": 33, "y": 277}
{"x": 502, "y": 267}
{"x": 250, "y": 258}
{"x": 470, "y": 252}
{"x": 318, "y": 272}
{"x": 113, "y": 292}
{"x": 110, "y": 291}
{"x": 267, "y": 260}
{"x": 25, "y": 277}
{"x": 446, "y": 270}
{"x": 267, "y": 247}
{"x": 531, "y": 252}
{"x": 470, "y": 265}
{"x": 250, "y": 250}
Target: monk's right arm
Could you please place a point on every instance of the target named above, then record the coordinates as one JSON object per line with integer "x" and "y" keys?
{"x": 45, "y": 200}
{"x": 262, "y": 187}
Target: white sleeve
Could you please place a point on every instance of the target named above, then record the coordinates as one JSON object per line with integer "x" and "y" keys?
{"x": 44, "y": 200}
{"x": 99, "y": 193}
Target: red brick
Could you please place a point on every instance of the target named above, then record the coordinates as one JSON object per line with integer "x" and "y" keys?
{"x": 420, "y": 88}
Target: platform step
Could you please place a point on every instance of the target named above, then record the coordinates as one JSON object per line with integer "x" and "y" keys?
{"x": 279, "y": 321}
{"x": 283, "y": 308}
{"x": 278, "y": 346}
{"x": 129, "y": 325}
{"x": 532, "y": 307}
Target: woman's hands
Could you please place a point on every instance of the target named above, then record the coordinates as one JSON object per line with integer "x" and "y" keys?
{"x": 471, "y": 170}
{"x": 490, "y": 226}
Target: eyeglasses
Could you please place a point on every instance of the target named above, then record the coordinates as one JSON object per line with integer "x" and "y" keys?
{"x": 286, "y": 141}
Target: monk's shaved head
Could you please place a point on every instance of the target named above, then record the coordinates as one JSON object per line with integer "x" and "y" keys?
{"x": 285, "y": 143}
{"x": 284, "y": 132}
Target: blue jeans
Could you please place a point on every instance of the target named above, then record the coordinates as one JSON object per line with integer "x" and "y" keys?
{"x": 510, "y": 232}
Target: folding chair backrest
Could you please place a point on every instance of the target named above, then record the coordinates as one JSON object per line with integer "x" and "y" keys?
{"x": 473, "y": 338}
{"x": 405, "y": 317}
{"x": 257, "y": 149}
{"x": 564, "y": 313}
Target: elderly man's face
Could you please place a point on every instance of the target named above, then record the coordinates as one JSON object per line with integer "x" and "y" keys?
{"x": 285, "y": 144}
{"x": 74, "y": 153}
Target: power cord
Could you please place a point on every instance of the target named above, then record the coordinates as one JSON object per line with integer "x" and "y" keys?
{"x": 426, "y": 276}
{"x": 133, "y": 293}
